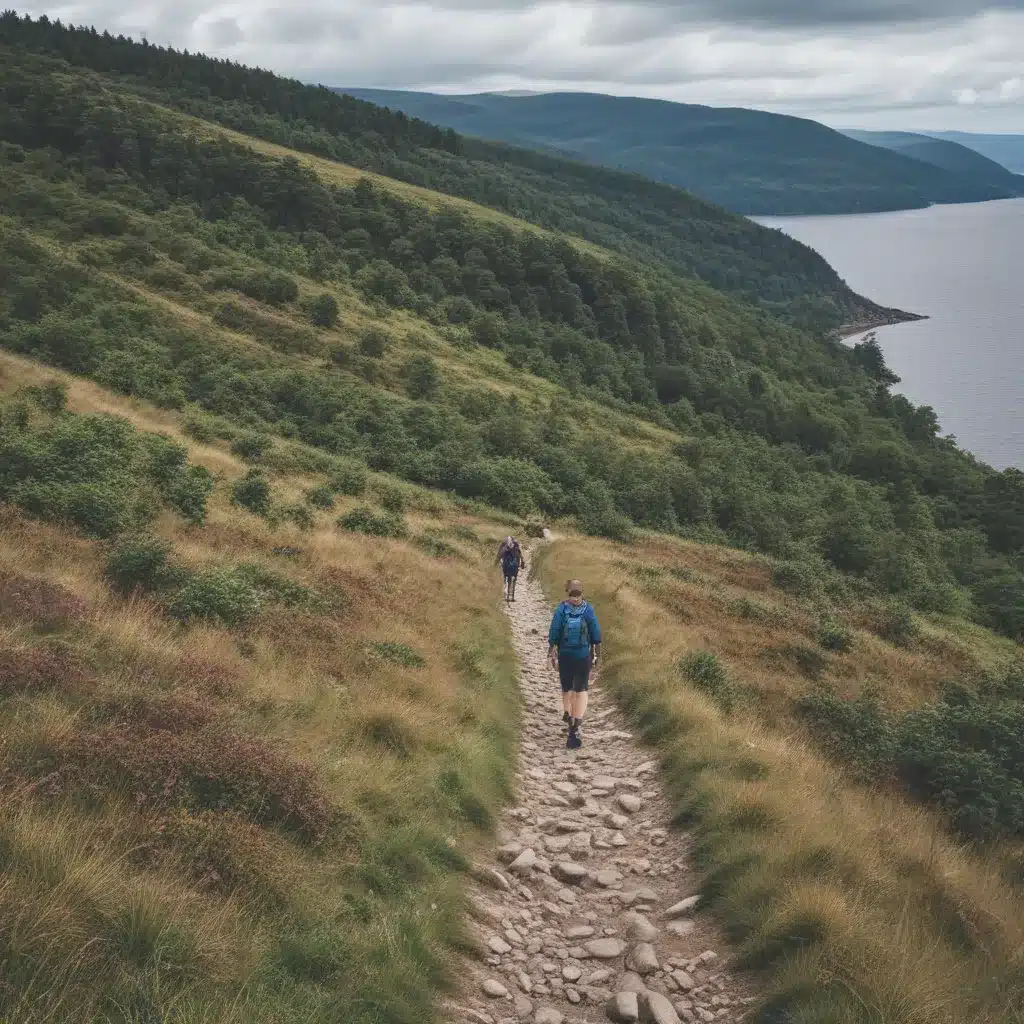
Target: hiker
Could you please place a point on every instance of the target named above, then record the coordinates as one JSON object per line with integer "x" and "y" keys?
{"x": 510, "y": 555}
{"x": 574, "y": 646}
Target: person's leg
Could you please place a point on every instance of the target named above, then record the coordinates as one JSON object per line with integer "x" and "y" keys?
{"x": 566, "y": 680}
{"x": 581, "y": 687}
{"x": 512, "y": 584}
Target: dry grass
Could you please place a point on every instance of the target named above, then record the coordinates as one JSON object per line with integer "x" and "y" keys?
{"x": 264, "y": 823}
{"x": 857, "y": 905}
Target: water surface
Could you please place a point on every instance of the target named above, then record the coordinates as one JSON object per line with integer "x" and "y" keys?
{"x": 963, "y": 266}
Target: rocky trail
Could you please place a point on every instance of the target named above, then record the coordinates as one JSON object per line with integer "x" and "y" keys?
{"x": 586, "y": 913}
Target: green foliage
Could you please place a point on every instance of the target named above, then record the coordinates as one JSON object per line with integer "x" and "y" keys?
{"x": 221, "y": 595}
{"x": 379, "y": 524}
{"x": 51, "y": 397}
{"x": 252, "y": 492}
{"x": 298, "y": 513}
{"x": 835, "y": 636}
{"x": 390, "y": 496}
{"x": 252, "y": 446}
{"x": 422, "y": 377}
{"x": 708, "y": 674}
{"x": 374, "y": 342}
{"x": 141, "y": 564}
{"x": 435, "y": 546}
{"x": 398, "y": 654}
{"x": 97, "y": 473}
{"x": 349, "y": 477}
{"x": 274, "y": 587}
{"x": 321, "y": 496}
{"x": 323, "y": 310}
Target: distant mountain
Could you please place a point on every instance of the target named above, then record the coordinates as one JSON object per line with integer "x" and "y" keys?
{"x": 748, "y": 161}
{"x": 944, "y": 153}
{"x": 1007, "y": 150}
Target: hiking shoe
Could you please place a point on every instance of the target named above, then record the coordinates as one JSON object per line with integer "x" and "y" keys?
{"x": 573, "y": 741}
{"x": 567, "y": 718}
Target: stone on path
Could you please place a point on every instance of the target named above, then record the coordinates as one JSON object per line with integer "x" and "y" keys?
{"x": 639, "y": 928}
{"x": 630, "y": 803}
{"x": 623, "y": 1008}
{"x": 655, "y": 1008}
{"x": 683, "y": 907}
{"x": 579, "y": 931}
{"x": 569, "y": 872}
{"x": 684, "y": 981}
{"x": 645, "y": 960}
{"x": 606, "y": 949}
{"x": 547, "y": 1015}
{"x": 498, "y": 945}
{"x": 494, "y": 989}
{"x": 680, "y": 928}
{"x": 632, "y": 982}
{"x": 490, "y": 877}
{"x": 524, "y": 863}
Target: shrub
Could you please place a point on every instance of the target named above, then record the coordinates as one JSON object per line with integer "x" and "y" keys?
{"x": 140, "y": 564}
{"x": 349, "y": 477}
{"x": 275, "y": 587}
{"x": 374, "y": 342}
{"x": 252, "y": 492}
{"x": 707, "y": 673}
{"x": 390, "y": 496}
{"x": 809, "y": 660}
{"x": 273, "y": 288}
{"x": 365, "y": 520}
{"x": 298, "y": 513}
{"x": 321, "y": 496}
{"x": 323, "y": 310}
{"x": 199, "y": 426}
{"x": 797, "y": 578}
{"x": 398, "y": 654}
{"x": 858, "y": 733}
{"x": 252, "y": 446}
{"x": 533, "y": 527}
{"x": 217, "y": 594}
{"x": 896, "y": 625}
{"x": 422, "y": 377}
{"x": 834, "y": 636}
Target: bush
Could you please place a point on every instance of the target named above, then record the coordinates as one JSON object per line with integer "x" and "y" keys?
{"x": 321, "y": 496}
{"x": 299, "y": 514}
{"x": 896, "y": 625}
{"x": 390, "y": 496}
{"x": 422, "y": 377}
{"x": 275, "y": 587}
{"x": 252, "y": 446}
{"x": 349, "y": 477}
{"x": 434, "y": 546}
{"x": 218, "y": 594}
{"x": 365, "y": 520}
{"x": 834, "y": 636}
{"x": 374, "y": 342}
{"x": 141, "y": 564}
{"x": 275, "y": 289}
{"x": 252, "y": 492}
{"x": 51, "y": 397}
{"x": 323, "y": 310}
{"x": 707, "y": 673}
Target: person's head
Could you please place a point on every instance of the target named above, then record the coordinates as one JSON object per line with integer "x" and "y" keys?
{"x": 574, "y": 591}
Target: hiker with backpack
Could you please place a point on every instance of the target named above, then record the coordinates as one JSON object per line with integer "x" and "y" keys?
{"x": 574, "y": 647}
{"x": 510, "y": 556}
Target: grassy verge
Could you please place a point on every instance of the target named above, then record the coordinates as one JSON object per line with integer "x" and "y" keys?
{"x": 854, "y": 902}
{"x": 243, "y": 762}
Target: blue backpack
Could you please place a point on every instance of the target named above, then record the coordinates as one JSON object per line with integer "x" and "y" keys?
{"x": 575, "y": 631}
{"x": 510, "y": 561}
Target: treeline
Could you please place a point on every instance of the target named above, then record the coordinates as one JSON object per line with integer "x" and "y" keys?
{"x": 794, "y": 446}
{"x": 651, "y": 221}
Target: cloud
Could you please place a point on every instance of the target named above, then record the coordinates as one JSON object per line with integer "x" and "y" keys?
{"x": 867, "y": 63}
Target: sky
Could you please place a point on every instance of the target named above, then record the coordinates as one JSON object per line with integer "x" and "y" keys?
{"x": 894, "y": 64}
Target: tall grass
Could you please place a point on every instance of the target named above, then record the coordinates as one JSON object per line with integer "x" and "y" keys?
{"x": 856, "y": 904}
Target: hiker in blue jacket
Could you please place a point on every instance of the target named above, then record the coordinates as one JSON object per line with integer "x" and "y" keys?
{"x": 510, "y": 556}
{"x": 574, "y": 646}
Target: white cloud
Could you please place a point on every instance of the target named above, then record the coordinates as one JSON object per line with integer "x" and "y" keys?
{"x": 867, "y": 63}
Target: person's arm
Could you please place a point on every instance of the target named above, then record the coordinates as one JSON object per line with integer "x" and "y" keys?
{"x": 595, "y": 633}
{"x": 553, "y": 634}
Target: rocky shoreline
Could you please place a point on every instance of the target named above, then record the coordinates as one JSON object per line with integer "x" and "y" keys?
{"x": 883, "y": 318}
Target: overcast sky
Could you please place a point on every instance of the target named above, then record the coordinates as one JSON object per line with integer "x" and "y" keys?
{"x": 913, "y": 64}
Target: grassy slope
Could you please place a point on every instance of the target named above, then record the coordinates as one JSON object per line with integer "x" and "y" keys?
{"x": 116, "y": 907}
{"x": 855, "y": 903}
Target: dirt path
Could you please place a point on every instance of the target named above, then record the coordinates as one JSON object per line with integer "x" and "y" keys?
{"x": 585, "y": 913}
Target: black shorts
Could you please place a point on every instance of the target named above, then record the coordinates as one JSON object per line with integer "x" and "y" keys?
{"x": 574, "y": 673}
{"x": 510, "y": 575}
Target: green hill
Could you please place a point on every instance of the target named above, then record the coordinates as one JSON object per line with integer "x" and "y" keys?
{"x": 749, "y": 161}
{"x": 653, "y": 222}
{"x": 951, "y": 156}
{"x": 1005, "y": 149}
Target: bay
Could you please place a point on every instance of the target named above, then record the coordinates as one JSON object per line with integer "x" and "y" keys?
{"x": 963, "y": 267}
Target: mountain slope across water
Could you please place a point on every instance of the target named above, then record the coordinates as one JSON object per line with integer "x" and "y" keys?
{"x": 1007, "y": 150}
{"x": 749, "y": 161}
{"x": 947, "y": 154}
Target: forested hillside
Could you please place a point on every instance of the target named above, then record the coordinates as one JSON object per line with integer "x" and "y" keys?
{"x": 651, "y": 221}
{"x": 750, "y": 161}
{"x": 772, "y": 438}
